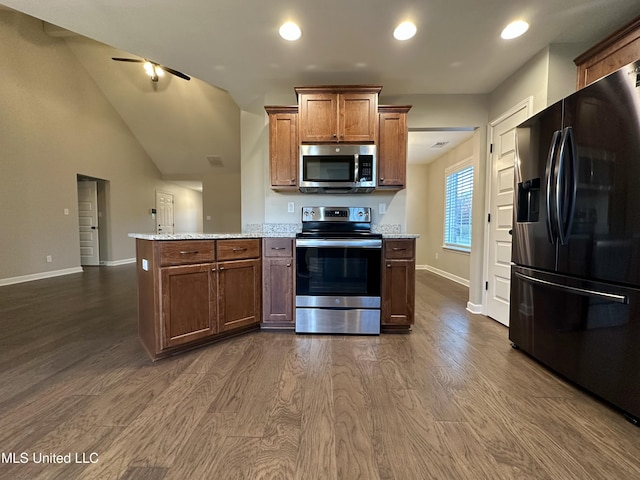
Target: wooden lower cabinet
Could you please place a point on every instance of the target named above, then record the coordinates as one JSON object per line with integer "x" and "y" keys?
{"x": 239, "y": 295}
{"x": 189, "y": 311}
{"x": 278, "y": 280}
{"x": 182, "y": 304}
{"x": 398, "y": 284}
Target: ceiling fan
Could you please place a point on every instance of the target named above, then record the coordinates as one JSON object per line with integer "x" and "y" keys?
{"x": 153, "y": 69}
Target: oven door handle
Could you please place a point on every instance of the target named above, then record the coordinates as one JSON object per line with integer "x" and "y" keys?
{"x": 339, "y": 243}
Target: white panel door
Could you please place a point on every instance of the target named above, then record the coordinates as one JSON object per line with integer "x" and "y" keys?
{"x": 88, "y": 223}
{"x": 502, "y": 159}
{"x": 164, "y": 212}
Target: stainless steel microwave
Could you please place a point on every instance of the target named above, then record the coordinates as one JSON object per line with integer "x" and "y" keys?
{"x": 337, "y": 168}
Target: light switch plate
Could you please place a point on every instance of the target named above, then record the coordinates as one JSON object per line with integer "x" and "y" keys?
{"x": 291, "y": 207}
{"x": 382, "y": 208}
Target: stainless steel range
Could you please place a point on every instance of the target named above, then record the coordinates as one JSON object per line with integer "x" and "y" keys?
{"x": 338, "y": 263}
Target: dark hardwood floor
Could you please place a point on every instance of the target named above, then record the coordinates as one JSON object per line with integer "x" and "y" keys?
{"x": 451, "y": 400}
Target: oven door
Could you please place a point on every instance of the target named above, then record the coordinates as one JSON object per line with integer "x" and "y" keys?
{"x": 338, "y": 285}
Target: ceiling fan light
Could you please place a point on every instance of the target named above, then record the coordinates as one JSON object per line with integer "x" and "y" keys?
{"x": 148, "y": 67}
{"x": 290, "y": 31}
{"x": 405, "y": 31}
{"x": 159, "y": 71}
{"x": 514, "y": 30}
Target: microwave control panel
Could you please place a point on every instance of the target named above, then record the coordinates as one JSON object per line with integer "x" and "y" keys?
{"x": 365, "y": 168}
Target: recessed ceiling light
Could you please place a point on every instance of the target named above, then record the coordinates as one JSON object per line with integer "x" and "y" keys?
{"x": 290, "y": 31}
{"x": 404, "y": 31}
{"x": 514, "y": 29}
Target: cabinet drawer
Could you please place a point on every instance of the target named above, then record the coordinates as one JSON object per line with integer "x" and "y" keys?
{"x": 238, "y": 249}
{"x": 183, "y": 252}
{"x": 278, "y": 247}
{"x": 403, "y": 248}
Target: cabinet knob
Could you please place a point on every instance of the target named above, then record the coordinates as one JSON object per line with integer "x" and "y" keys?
{"x": 221, "y": 268}
{"x": 388, "y": 265}
{"x": 213, "y": 269}
{"x": 382, "y": 179}
{"x": 288, "y": 264}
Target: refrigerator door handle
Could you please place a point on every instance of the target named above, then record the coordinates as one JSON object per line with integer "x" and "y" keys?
{"x": 564, "y": 215}
{"x": 549, "y": 174}
{"x": 612, "y": 297}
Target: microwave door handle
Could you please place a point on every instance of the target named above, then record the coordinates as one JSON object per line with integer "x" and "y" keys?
{"x": 356, "y": 167}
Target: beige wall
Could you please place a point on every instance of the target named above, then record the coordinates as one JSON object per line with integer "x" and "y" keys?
{"x": 221, "y": 202}
{"x": 428, "y": 214}
{"x": 563, "y": 76}
{"x": 56, "y": 124}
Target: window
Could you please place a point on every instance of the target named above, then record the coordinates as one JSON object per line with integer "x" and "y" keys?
{"x": 457, "y": 208}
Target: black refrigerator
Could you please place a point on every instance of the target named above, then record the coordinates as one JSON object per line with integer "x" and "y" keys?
{"x": 575, "y": 275}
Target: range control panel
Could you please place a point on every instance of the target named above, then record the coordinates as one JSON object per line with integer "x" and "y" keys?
{"x": 336, "y": 214}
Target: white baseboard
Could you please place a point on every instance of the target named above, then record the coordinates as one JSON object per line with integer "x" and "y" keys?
{"x": 442, "y": 273}
{"x": 475, "y": 308}
{"x": 115, "y": 263}
{"x": 39, "y": 276}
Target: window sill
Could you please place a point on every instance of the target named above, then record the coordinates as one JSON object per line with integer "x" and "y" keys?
{"x": 456, "y": 249}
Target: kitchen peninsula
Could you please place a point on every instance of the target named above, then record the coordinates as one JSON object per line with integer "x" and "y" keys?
{"x": 194, "y": 289}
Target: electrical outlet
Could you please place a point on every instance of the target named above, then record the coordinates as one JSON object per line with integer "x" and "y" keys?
{"x": 66, "y": 211}
{"x": 291, "y": 207}
{"x": 436, "y": 255}
{"x": 49, "y": 259}
{"x": 382, "y": 208}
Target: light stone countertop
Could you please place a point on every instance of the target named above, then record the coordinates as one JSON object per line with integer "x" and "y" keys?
{"x": 207, "y": 236}
{"x": 224, "y": 236}
{"x": 265, "y": 230}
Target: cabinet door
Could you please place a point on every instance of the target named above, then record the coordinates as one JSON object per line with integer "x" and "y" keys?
{"x": 392, "y": 150}
{"x": 278, "y": 290}
{"x": 318, "y": 117}
{"x": 239, "y": 295}
{"x": 188, "y": 304}
{"x": 283, "y": 149}
{"x": 357, "y": 117}
{"x": 398, "y": 295}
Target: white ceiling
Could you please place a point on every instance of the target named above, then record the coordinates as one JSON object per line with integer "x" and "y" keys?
{"x": 425, "y": 146}
{"x": 234, "y": 44}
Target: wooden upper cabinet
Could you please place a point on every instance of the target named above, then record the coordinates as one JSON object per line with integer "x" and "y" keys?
{"x": 392, "y": 146}
{"x": 283, "y": 146}
{"x": 615, "y": 51}
{"x": 338, "y": 114}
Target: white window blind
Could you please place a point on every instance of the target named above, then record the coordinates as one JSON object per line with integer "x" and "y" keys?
{"x": 458, "y": 203}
